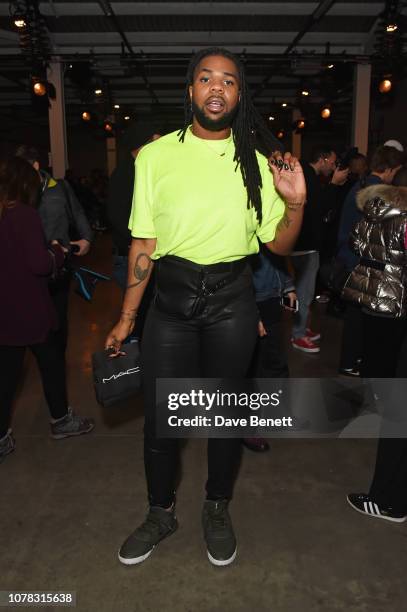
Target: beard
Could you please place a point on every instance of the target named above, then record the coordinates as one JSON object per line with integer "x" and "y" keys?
{"x": 213, "y": 125}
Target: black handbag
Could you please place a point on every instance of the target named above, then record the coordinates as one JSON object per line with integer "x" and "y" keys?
{"x": 116, "y": 378}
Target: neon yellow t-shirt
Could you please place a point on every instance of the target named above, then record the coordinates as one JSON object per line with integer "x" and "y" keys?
{"x": 190, "y": 198}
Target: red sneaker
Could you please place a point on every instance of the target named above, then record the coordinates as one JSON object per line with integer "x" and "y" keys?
{"x": 258, "y": 445}
{"x": 312, "y": 335}
{"x": 305, "y": 344}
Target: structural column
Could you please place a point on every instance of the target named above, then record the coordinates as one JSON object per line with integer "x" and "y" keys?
{"x": 111, "y": 154}
{"x": 57, "y": 123}
{"x": 361, "y": 107}
{"x": 296, "y": 138}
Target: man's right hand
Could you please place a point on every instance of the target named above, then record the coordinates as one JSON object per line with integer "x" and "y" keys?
{"x": 118, "y": 335}
{"x": 340, "y": 177}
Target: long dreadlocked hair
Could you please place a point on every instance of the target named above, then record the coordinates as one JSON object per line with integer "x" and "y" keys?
{"x": 248, "y": 127}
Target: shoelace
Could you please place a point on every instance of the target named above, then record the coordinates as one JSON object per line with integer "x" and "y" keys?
{"x": 218, "y": 517}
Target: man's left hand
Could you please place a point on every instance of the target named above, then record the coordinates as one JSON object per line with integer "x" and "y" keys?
{"x": 288, "y": 177}
{"x": 84, "y": 246}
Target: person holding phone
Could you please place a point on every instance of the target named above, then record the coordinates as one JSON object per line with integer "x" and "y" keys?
{"x": 27, "y": 264}
{"x": 275, "y": 293}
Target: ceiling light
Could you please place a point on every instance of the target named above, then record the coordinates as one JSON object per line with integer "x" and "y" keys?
{"x": 117, "y": 106}
{"x": 98, "y": 92}
{"x": 305, "y": 92}
{"x": 20, "y": 23}
{"x": 280, "y": 134}
{"x": 385, "y": 85}
{"x": 284, "y": 104}
{"x": 107, "y": 126}
{"x": 271, "y": 118}
{"x": 86, "y": 116}
{"x": 39, "y": 87}
{"x": 391, "y": 27}
{"x": 326, "y": 112}
{"x": 330, "y": 66}
{"x": 300, "y": 124}
{"x": 126, "y": 118}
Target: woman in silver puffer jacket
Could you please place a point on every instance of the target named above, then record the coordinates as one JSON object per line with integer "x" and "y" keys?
{"x": 379, "y": 281}
{"x": 379, "y": 284}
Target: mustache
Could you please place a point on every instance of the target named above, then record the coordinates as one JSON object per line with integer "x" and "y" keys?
{"x": 214, "y": 125}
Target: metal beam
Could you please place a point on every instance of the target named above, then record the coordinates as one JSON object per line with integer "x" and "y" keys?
{"x": 316, "y": 51}
{"x": 205, "y": 8}
{"x": 109, "y": 12}
{"x": 323, "y": 7}
{"x": 175, "y": 39}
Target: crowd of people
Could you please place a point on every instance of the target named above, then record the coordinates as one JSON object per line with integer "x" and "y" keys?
{"x": 212, "y": 243}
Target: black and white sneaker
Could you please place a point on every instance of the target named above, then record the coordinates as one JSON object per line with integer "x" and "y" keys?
{"x": 159, "y": 524}
{"x": 218, "y": 532}
{"x": 365, "y": 504}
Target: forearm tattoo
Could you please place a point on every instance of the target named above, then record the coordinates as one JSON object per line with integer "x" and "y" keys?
{"x": 284, "y": 223}
{"x": 141, "y": 269}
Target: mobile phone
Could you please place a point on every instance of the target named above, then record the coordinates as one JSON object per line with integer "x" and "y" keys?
{"x": 285, "y": 301}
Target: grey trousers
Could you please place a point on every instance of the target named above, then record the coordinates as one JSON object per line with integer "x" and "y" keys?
{"x": 306, "y": 269}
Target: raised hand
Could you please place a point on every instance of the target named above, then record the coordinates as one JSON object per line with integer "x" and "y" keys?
{"x": 288, "y": 178}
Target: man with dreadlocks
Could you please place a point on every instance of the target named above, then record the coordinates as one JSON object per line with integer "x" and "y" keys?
{"x": 203, "y": 197}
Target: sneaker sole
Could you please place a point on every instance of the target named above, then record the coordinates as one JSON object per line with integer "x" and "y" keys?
{"x": 141, "y": 558}
{"x": 222, "y": 562}
{"x": 378, "y": 516}
{"x": 69, "y": 435}
{"x": 135, "y": 560}
{"x": 305, "y": 350}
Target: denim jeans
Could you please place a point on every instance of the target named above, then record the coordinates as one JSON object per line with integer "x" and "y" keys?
{"x": 306, "y": 270}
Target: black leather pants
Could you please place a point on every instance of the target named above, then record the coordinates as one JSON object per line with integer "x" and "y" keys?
{"x": 219, "y": 342}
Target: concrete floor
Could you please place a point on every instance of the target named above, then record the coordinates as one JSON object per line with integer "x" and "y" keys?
{"x": 67, "y": 505}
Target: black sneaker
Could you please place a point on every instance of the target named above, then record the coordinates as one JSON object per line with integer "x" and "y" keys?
{"x": 159, "y": 524}
{"x": 364, "y": 504}
{"x": 70, "y": 425}
{"x": 218, "y": 532}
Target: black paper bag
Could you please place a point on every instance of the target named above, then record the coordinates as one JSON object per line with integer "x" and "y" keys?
{"x": 116, "y": 378}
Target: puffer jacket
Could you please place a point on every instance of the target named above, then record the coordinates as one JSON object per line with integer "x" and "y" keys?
{"x": 379, "y": 280}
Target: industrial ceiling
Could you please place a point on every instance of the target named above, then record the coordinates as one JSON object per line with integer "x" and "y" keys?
{"x": 137, "y": 52}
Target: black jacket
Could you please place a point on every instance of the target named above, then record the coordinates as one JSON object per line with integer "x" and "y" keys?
{"x": 320, "y": 200}
{"x": 119, "y": 203}
{"x": 61, "y": 219}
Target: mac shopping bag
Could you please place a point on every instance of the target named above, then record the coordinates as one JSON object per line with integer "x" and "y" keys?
{"x": 116, "y": 378}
